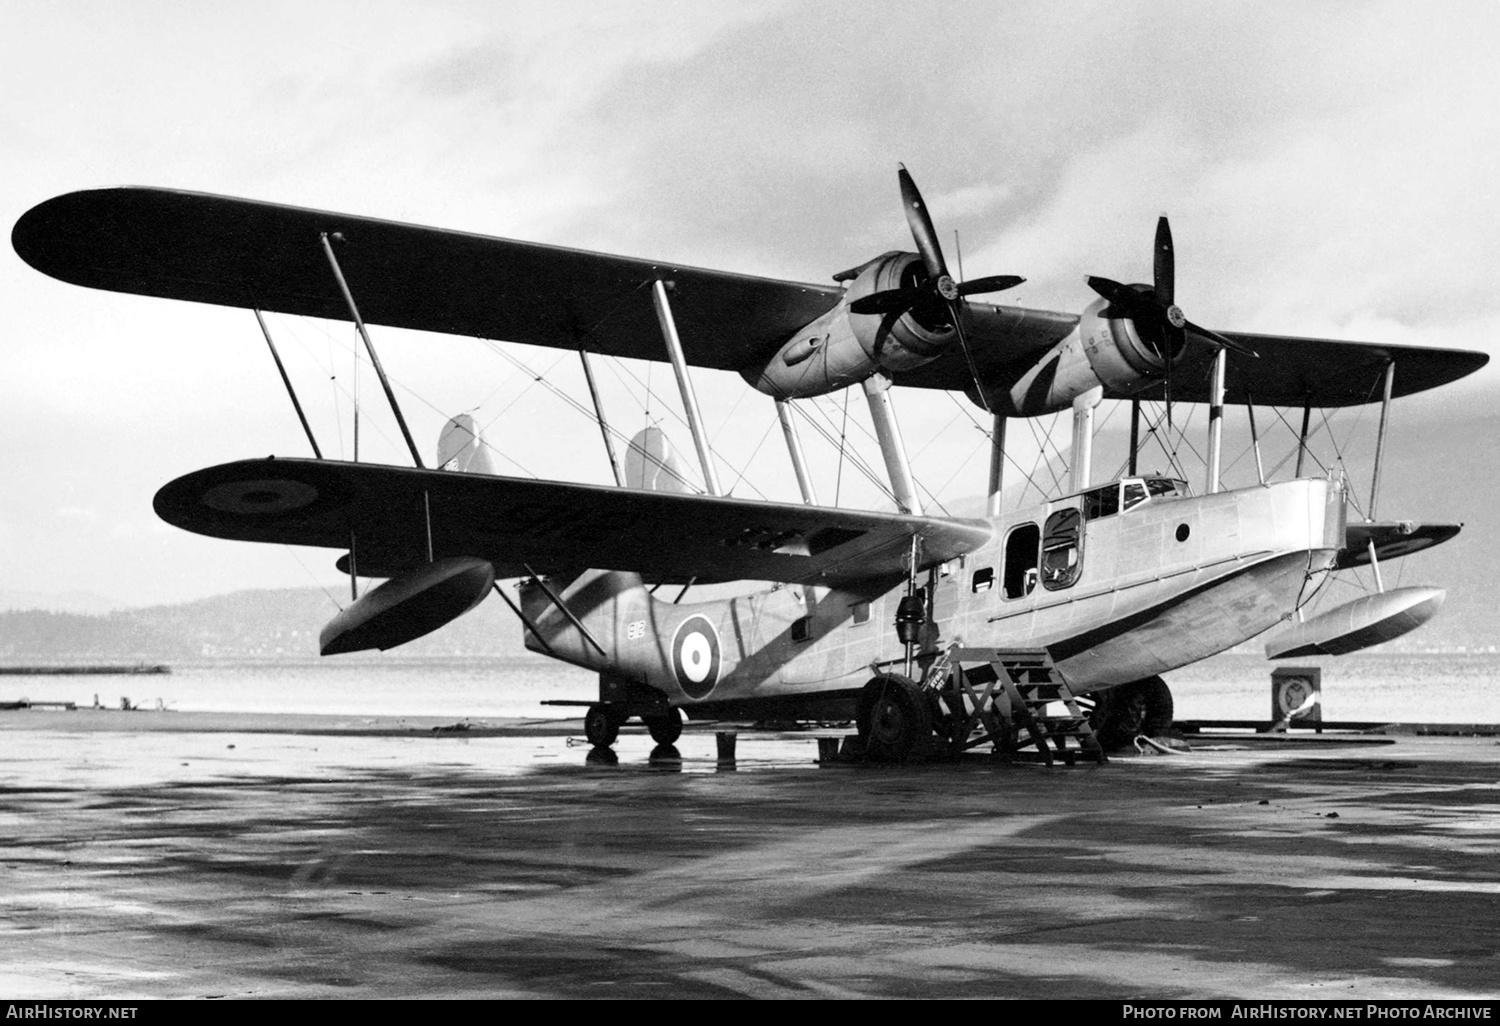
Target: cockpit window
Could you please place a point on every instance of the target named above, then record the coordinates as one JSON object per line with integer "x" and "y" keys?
{"x": 1101, "y": 502}
{"x": 1117, "y": 496}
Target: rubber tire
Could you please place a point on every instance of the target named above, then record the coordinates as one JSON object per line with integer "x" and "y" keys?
{"x": 1125, "y": 712}
{"x": 893, "y": 716}
{"x": 601, "y": 725}
{"x": 666, "y": 728}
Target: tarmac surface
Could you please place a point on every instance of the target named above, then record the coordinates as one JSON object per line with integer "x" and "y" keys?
{"x": 168, "y": 855}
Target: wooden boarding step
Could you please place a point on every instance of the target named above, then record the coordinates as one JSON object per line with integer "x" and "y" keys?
{"x": 1007, "y": 698}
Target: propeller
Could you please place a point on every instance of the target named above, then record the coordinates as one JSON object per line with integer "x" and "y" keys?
{"x": 938, "y": 293}
{"x": 1154, "y": 308}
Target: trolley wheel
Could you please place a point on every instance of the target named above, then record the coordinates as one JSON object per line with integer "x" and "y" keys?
{"x": 601, "y": 725}
{"x": 893, "y": 716}
{"x": 665, "y": 727}
{"x": 1125, "y": 712}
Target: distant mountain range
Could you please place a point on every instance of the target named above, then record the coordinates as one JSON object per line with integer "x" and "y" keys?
{"x": 266, "y": 624}
{"x": 59, "y": 602}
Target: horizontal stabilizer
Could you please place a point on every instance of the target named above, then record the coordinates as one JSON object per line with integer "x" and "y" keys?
{"x": 521, "y": 525}
{"x": 1372, "y": 620}
{"x": 404, "y": 608}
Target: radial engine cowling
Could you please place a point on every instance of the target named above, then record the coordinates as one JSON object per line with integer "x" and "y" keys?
{"x": 842, "y": 348}
{"x": 1100, "y": 351}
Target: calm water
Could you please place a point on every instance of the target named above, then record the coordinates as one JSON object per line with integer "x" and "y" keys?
{"x": 474, "y": 688}
{"x": 1433, "y": 688}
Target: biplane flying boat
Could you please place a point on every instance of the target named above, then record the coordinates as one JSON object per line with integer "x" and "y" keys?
{"x": 1116, "y": 583}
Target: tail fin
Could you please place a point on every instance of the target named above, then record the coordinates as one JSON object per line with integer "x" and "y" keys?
{"x": 460, "y": 447}
{"x": 651, "y": 464}
{"x": 605, "y": 601}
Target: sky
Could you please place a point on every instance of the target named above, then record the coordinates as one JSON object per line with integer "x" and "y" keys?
{"x": 1329, "y": 169}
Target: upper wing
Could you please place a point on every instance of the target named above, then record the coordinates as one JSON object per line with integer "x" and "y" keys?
{"x": 267, "y": 256}
{"x": 261, "y": 255}
{"x": 549, "y": 526}
{"x": 1291, "y": 371}
{"x": 235, "y": 252}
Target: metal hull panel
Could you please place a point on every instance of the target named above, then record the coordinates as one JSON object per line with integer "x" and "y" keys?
{"x": 1192, "y": 625}
{"x": 1161, "y": 586}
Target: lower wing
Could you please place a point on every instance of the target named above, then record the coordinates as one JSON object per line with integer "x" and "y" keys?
{"x": 385, "y": 516}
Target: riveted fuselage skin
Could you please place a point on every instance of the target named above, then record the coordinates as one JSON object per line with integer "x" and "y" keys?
{"x": 1163, "y": 584}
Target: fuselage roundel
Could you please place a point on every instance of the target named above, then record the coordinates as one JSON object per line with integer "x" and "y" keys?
{"x": 695, "y": 656}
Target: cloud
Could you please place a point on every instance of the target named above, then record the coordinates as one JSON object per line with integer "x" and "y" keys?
{"x": 1329, "y": 170}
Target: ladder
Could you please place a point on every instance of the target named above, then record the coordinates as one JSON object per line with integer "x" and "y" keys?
{"x": 1009, "y": 699}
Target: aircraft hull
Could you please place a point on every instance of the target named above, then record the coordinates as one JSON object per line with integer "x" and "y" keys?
{"x": 1161, "y": 586}
{"x": 1196, "y": 622}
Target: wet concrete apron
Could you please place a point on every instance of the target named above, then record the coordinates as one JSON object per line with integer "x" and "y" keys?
{"x": 167, "y": 857}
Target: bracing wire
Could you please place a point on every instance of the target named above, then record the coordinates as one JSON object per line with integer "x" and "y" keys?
{"x": 856, "y": 460}
{"x": 1009, "y": 458}
{"x": 292, "y": 550}
{"x": 589, "y": 413}
{"x": 840, "y": 444}
{"x": 758, "y": 446}
{"x": 395, "y": 383}
{"x": 843, "y": 434}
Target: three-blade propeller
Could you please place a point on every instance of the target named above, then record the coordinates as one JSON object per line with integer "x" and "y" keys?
{"x": 938, "y": 288}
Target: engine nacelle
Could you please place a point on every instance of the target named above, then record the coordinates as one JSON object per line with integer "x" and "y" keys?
{"x": 1099, "y": 351}
{"x": 842, "y": 348}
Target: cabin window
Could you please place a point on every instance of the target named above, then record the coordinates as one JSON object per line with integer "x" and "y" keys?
{"x": 984, "y": 579}
{"x": 859, "y": 613}
{"x": 1101, "y": 502}
{"x": 1020, "y": 561}
{"x": 1133, "y": 494}
{"x": 802, "y": 629}
{"x": 1062, "y": 550}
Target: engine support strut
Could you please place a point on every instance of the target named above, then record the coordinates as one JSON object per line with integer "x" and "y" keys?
{"x": 877, "y": 389}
